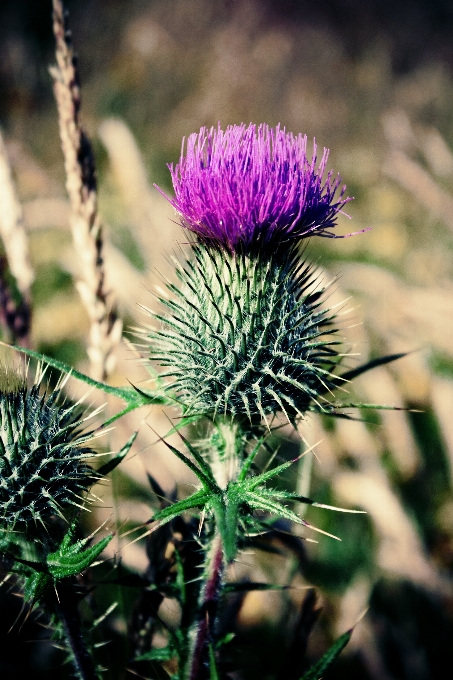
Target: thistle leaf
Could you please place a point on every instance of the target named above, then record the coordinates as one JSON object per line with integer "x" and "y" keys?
{"x": 380, "y": 361}
{"x": 158, "y": 654}
{"x": 72, "y": 559}
{"x": 207, "y": 481}
{"x": 196, "y": 500}
{"x": 133, "y": 396}
{"x": 317, "y": 671}
{"x": 257, "y": 480}
{"x": 35, "y": 585}
{"x": 250, "y": 459}
{"x": 183, "y": 422}
{"x": 116, "y": 460}
{"x": 260, "y": 502}
{"x": 213, "y": 672}
{"x": 199, "y": 459}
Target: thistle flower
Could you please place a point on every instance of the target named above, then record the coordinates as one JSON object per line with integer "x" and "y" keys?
{"x": 43, "y": 454}
{"x": 249, "y": 187}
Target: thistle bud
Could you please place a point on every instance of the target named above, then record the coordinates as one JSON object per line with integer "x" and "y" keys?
{"x": 43, "y": 453}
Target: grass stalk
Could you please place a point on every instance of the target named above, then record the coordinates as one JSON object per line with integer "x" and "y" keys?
{"x": 105, "y": 326}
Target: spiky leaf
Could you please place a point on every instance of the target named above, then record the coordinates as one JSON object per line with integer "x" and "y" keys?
{"x": 71, "y": 558}
{"x": 134, "y": 397}
{"x": 117, "y": 458}
{"x": 35, "y": 585}
{"x": 158, "y": 654}
{"x": 317, "y": 671}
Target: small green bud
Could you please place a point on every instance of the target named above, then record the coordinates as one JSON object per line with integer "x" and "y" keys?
{"x": 43, "y": 452}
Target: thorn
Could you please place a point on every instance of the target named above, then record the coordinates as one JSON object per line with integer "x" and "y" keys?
{"x": 320, "y": 531}
{"x": 131, "y": 531}
{"x": 143, "y": 677}
{"x": 147, "y": 533}
{"x": 361, "y": 616}
{"x": 27, "y": 615}
{"x": 333, "y": 507}
{"x": 202, "y": 518}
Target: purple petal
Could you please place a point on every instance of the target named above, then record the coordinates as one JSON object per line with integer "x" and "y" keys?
{"x": 249, "y": 187}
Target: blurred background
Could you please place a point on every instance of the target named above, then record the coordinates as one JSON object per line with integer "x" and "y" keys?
{"x": 373, "y": 82}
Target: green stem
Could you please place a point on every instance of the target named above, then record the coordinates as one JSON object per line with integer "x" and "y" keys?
{"x": 207, "y": 611}
{"x": 226, "y": 453}
{"x": 67, "y": 609}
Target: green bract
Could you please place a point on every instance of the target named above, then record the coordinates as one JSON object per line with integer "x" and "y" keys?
{"x": 244, "y": 335}
{"x": 42, "y": 456}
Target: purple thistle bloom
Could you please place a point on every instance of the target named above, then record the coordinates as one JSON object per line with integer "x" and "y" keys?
{"x": 250, "y": 187}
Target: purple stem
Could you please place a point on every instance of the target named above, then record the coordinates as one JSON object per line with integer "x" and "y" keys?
{"x": 207, "y": 610}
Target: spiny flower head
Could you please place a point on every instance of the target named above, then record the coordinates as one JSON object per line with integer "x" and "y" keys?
{"x": 246, "y": 336}
{"x": 43, "y": 453}
{"x": 249, "y": 187}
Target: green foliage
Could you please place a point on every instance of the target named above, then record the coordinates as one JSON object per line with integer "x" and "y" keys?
{"x": 246, "y": 336}
{"x": 213, "y": 672}
{"x": 71, "y": 558}
{"x": 317, "y": 671}
{"x": 175, "y": 649}
{"x": 158, "y": 654}
{"x": 118, "y": 457}
{"x": 35, "y": 585}
{"x": 233, "y": 506}
{"x": 134, "y": 397}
